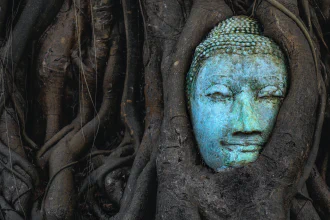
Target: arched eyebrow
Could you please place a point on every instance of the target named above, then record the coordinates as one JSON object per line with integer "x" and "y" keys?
{"x": 216, "y": 79}
{"x": 274, "y": 79}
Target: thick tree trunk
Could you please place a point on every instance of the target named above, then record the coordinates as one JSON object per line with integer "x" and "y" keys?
{"x": 94, "y": 121}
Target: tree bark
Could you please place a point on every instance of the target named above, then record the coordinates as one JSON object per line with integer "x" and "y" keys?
{"x": 94, "y": 121}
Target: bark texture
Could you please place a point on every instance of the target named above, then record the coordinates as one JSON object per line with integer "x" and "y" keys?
{"x": 94, "y": 121}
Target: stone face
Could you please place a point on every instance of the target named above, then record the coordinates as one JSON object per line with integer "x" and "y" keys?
{"x": 236, "y": 35}
{"x": 234, "y": 97}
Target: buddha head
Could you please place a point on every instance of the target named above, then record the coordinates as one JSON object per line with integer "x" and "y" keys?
{"x": 235, "y": 87}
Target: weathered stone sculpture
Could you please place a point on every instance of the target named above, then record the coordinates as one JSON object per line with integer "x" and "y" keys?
{"x": 235, "y": 87}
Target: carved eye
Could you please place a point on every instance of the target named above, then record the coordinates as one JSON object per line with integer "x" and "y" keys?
{"x": 270, "y": 92}
{"x": 219, "y": 92}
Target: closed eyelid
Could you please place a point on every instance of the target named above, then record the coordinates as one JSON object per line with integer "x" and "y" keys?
{"x": 218, "y": 86}
{"x": 271, "y": 90}
{"x": 216, "y": 79}
{"x": 212, "y": 84}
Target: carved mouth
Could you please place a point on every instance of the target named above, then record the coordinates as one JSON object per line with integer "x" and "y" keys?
{"x": 244, "y": 147}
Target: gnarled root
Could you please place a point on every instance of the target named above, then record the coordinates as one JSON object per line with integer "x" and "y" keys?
{"x": 319, "y": 192}
{"x": 60, "y": 199}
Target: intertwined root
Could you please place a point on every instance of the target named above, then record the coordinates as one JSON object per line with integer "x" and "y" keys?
{"x": 88, "y": 76}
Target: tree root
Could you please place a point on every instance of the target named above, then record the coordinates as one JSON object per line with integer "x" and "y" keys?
{"x": 50, "y": 10}
{"x": 139, "y": 189}
{"x": 23, "y": 30}
{"x": 133, "y": 44}
{"x": 54, "y": 140}
{"x": 20, "y": 113}
{"x": 319, "y": 192}
{"x": 80, "y": 142}
{"x": 322, "y": 93}
{"x": 186, "y": 188}
{"x": 18, "y": 160}
{"x": 98, "y": 175}
{"x": 18, "y": 175}
{"x": 3, "y": 6}
{"x": 306, "y": 8}
{"x": 7, "y": 212}
{"x": 70, "y": 165}
{"x": 100, "y": 214}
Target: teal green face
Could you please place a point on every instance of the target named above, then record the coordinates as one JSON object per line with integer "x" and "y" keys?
{"x": 234, "y": 104}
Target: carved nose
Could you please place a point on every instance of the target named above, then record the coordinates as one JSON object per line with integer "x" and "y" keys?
{"x": 246, "y": 121}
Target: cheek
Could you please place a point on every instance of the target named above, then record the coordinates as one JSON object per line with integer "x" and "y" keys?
{"x": 210, "y": 120}
{"x": 267, "y": 113}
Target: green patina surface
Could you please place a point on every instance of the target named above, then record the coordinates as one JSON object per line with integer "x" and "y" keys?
{"x": 235, "y": 86}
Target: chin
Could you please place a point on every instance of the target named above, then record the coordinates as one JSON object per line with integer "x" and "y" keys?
{"x": 238, "y": 159}
{"x": 242, "y": 158}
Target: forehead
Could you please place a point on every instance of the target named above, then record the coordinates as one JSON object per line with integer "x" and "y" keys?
{"x": 241, "y": 67}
